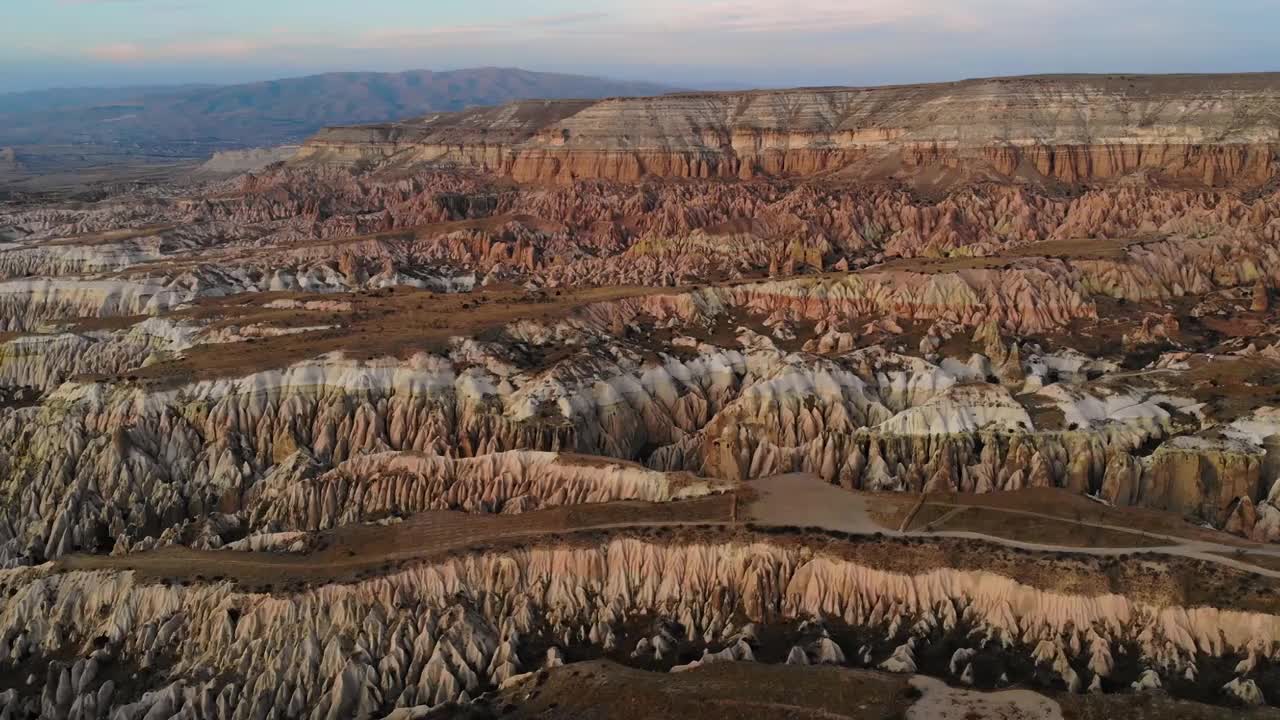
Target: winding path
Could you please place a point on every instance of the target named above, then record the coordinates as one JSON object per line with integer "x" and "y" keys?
{"x": 804, "y": 500}
{"x": 791, "y": 500}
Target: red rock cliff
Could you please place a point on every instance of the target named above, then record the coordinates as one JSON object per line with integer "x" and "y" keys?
{"x": 1204, "y": 130}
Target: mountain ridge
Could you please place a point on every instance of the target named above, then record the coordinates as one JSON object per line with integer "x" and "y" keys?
{"x": 1203, "y": 129}
{"x": 198, "y": 120}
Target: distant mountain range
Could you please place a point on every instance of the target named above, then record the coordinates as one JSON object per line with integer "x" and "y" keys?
{"x": 189, "y": 121}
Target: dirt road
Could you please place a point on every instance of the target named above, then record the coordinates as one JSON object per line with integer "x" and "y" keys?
{"x": 793, "y": 500}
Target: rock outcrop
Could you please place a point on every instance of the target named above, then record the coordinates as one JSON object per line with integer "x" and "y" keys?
{"x": 373, "y": 487}
{"x": 1044, "y": 129}
{"x": 241, "y": 417}
{"x": 235, "y": 162}
{"x": 446, "y": 631}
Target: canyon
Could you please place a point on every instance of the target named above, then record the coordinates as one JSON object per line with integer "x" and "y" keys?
{"x": 964, "y": 393}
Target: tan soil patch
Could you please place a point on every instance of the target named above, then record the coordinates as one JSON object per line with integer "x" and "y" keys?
{"x": 111, "y": 236}
{"x": 1068, "y": 506}
{"x": 720, "y": 691}
{"x": 1270, "y": 562}
{"x": 1025, "y": 528}
{"x": 392, "y": 322}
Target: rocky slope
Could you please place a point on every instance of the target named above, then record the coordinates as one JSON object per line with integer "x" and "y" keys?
{"x": 378, "y": 430}
{"x": 1210, "y": 130}
{"x": 189, "y": 121}
{"x": 447, "y": 631}
{"x": 1004, "y": 417}
{"x": 235, "y": 162}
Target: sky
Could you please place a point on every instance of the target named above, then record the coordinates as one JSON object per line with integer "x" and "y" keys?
{"x": 695, "y": 43}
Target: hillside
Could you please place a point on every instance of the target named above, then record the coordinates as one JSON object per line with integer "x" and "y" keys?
{"x": 194, "y": 121}
{"x": 407, "y": 424}
{"x": 1206, "y": 129}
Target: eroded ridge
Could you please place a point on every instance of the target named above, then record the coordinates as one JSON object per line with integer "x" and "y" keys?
{"x": 403, "y": 419}
{"x": 448, "y": 630}
{"x": 1208, "y": 129}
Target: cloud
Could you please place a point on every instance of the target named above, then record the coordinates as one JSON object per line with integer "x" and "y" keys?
{"x": 285, "y": 39}
{"x": 771, "y": 16}
{"x": 117, "y": 52}
{"x": 213, "y": 48}
{"x": 662, "y": 17}
{"x": 745, "y": 36}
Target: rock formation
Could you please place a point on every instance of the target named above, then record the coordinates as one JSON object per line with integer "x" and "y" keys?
{"x": 238, "y": 411}
{"x": 1051, "y": 129}
{"x": 447, "y": 631}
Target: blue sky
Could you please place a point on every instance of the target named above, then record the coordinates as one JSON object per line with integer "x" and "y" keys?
{"x": 46, "y": 43}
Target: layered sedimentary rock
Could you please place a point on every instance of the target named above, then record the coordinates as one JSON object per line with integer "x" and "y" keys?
{"x": 45, "y": 361}
{"x": 291, "y": 230}
{"x": 1045, "y": 129}
{"x": 27, "y": 304}
{"x": 446, "y": 631}
{"x": 106, "y": 463}
{"x": 371, "y": 487}
{"x": 979, "y": 287}
{"x": 843, "y": 406}
{"x": 235, "y": 162}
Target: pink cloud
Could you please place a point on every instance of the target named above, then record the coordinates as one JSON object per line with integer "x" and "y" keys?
{"x": 658, "y": 17}
{"x": 207, "y": 48}
{"x": 118, "y": 52}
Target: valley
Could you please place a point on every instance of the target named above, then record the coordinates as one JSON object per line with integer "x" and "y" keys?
{"x": 960, "y": 395}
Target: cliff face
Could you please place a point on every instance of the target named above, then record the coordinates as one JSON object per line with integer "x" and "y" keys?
{"x": 1202, "y": 130}
{"x": 448, "y": 630}
{"x": 379, "y": 430}
{"x": 103, "y": 463}
{"x": 234, "y": 162}
{"x": 948, "y": 366}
